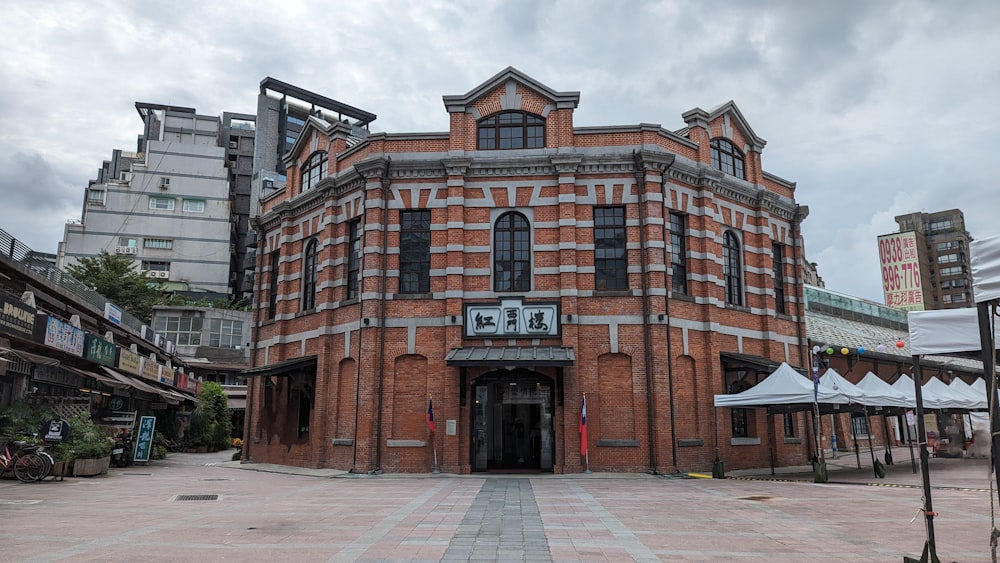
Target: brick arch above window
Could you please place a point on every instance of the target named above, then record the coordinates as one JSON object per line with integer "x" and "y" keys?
{"x": 509, "y": 130}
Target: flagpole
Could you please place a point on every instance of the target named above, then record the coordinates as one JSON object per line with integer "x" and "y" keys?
{"x": 583, "y": 435}
{"x": 430, "y": 426}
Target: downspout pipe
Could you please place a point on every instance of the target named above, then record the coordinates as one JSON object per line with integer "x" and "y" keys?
{"x": 254, "y": 331}
{"x": 801, "y": 212}
{"x": 381, "y": 313}
{"x": 640, "y": 182}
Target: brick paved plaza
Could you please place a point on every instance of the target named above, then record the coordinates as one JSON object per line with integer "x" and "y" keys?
{"x": 288, "y": 514}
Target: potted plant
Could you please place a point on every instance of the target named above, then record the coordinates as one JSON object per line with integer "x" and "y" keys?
{"x": 89, "y": 447}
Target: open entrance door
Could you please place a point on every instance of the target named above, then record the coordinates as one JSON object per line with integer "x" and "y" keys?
{"x": 512, "y": 422}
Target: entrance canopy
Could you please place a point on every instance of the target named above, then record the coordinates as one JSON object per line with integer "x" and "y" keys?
{"x": 521, "y": 356}
{"x": 288, "y": 367}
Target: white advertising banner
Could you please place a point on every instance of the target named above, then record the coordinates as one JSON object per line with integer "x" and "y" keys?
{"x": 900, "y": 271}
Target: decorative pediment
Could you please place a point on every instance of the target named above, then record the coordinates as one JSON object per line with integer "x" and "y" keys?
{"x": 505, "y": 94}
{"x": 733, "y": 118}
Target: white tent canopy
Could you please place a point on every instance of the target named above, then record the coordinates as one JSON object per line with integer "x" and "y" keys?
{"x": 881, "y": 394}
{"x": 784, "y": 386}
{"x": 833, "y": 380}
{"x": 985, "y": 262}
{"x": 963, "y": 389}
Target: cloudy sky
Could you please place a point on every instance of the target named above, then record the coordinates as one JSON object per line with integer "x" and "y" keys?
{"x": 874, "y": 109}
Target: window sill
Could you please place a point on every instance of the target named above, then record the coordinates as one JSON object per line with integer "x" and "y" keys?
{"x": 613, "y": 292}
{"x": 744, "y": 442}
{"x": 405, "y": 296}
{"x": 405, "y": 443}
{"x": 305, "y": 313}
{"x": 682, "y": 296}
{"x": 617, "y": 443}
{"x": 742, "y": 308}
{"x": 790, "y": 440}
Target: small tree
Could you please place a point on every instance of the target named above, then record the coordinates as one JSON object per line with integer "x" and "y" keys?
{"x": 211, "y": 424}
{"x": 116, "y": 279}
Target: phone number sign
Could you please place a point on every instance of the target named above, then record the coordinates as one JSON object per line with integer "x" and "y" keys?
{"x": 901, "y": 271}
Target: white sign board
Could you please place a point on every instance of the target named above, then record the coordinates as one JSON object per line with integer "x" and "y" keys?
{"x": 901, "y": 271}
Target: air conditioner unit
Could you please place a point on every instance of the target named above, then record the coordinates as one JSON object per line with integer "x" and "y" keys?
{"x": 163, "y": 274}
{"x": 125, "y": 250}
{"x": 164, "y": 183}
{"x": 150, "y": 273}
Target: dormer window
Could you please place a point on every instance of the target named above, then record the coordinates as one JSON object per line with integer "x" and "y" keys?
{"x": 727, "y": 158}
{"x": 511, "y": 130}
{"x": 314, "y": 170}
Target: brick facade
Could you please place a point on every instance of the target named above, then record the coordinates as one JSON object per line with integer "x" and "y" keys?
{"x": 649, "y": 359}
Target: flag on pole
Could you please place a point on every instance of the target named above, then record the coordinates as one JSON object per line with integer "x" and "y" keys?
{"x": 430, "y": 414}
{"x": 583, "y": 427}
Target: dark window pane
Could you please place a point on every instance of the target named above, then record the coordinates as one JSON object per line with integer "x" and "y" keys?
{"x": 512, "y": 253}
{"x": 610, "y": 256}
{"x": 415, "y": 252}
{"x": 727, "y": 158}
{"x": 507, "y": 131}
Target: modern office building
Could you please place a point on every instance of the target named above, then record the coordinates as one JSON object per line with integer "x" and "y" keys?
{"x": 167, "y": 206}
{"x": 942, "y": 247}
{"x": 495, "y": 274}
{"x": 282, "y": 111}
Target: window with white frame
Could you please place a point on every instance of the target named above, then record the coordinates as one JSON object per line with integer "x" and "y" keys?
{"x": 126, "y": 241}
{"x": 194, "y": 205}
{"x": 97, "y": 196}
{"x": 161, "y": 203}
{"x": 158, "y": 243}
{"x": 183, "y": 331}
{"x": 226, "y": 333}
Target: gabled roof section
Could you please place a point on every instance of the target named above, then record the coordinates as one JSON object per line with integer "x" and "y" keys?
{"x": 698, "y": 117}
{"x": 561, "y": 100}
{"x": 314, "y": 123}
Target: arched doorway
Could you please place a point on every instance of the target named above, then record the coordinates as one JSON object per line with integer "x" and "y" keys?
{"x": 512, "y": 422}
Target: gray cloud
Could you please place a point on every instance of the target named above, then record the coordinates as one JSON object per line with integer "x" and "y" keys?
{"x": 873, "y": 108}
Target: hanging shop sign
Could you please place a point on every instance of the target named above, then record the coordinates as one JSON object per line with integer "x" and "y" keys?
{"x": 510, "y": 318}
{"x": 150, "y": 369}
{"x": 129, "y": 361}
{"x": 16, "y": 317}
{"x": 144, "y": 441}
{"x": 901, "y": 271}
{"x": 63, "y": 336}
{"x": 55, "y": 431}
{"x": 167, "y": 376}
{"x": 113, "y": 313}
{"x": 100, "y": 350}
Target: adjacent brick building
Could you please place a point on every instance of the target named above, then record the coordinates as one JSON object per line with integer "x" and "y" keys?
{"x": 506, "y": 268}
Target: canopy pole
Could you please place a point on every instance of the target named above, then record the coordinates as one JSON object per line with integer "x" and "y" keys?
{"x": 925, "y": 476}
{"x": 871, "y": 444}
{"x": 888, "y": 440}
{"x": 989, "y": 371}
{"x": 854, "y": 439}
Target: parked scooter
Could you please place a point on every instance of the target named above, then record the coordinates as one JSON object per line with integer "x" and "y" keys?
{"x": 121, "y": 452}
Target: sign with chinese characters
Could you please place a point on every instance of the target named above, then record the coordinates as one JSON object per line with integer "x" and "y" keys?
{"x": 150, "y": 369}
{"x": 129, "y": 362}
{"x": 144, "y": 439}
{"x": 100, "y": 350}
{"x": 63, "y": 336}
{"x": 511, "y": 319}
{"x": 901, "y": 271}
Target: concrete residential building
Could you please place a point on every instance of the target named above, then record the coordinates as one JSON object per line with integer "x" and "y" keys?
{"x": 167, "y": 206}
{"x": 943, "y": 254}
{"x": 506, "y": 268}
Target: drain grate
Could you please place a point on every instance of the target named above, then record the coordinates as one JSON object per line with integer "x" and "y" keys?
{"x": 196, "y": 497}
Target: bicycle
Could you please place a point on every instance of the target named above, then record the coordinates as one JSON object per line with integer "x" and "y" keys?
{"x": 25, "y": 462}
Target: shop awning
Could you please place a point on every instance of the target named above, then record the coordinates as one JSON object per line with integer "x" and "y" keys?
{"x": 35, "y": 358}
{"x": 288, "y": 367}
{"x": 237, "y": 404}
{"x": 498, "y": 356}
{"x": 140, "y": 385}
{"x": 101, "y": 378}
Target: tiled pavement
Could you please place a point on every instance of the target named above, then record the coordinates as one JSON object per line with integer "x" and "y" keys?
{"x": 282, "y": 514}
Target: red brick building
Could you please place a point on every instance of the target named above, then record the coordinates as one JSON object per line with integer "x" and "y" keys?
{"x": 506, "y": 268}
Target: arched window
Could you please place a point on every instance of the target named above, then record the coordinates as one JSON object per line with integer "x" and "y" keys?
{"x": 512, "y": 253}
{"x": 727, "y": 158}
{"x": 511, "y": 130}
{"x": 309, "y": 274}
{"x": 732, "y": 268}
{"x": 314, "y": 170}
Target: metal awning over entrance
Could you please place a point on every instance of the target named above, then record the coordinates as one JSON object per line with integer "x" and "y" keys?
{"x": 288, "y": 367}
{"x": 522, "y": 356}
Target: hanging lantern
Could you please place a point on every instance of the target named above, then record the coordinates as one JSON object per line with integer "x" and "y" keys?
{"x": 880, "y": 347}
{"x": 861, "y": 350}
{"x": 844, "y": 351}
{"x": 816, "y": 349}
{"x": 900, "y": 344}
{"x": 829, "y": 351}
